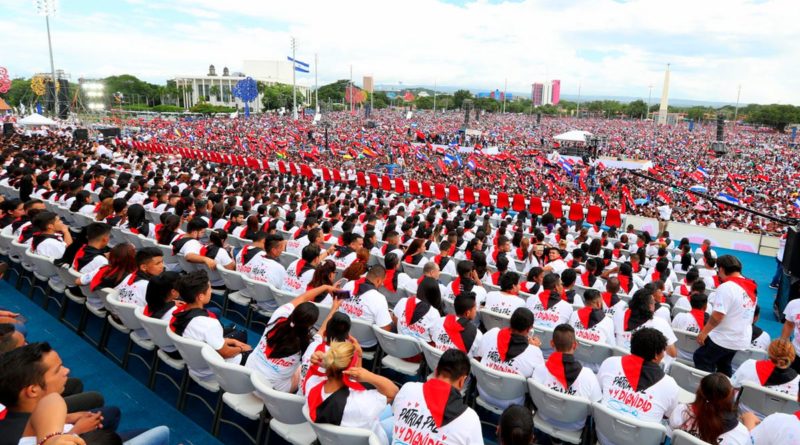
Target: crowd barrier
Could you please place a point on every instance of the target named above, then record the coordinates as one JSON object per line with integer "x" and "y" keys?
{"x": 740, "y": 241}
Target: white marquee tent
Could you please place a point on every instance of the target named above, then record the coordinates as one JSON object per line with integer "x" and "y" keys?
{"x": 36, "y": 120}
{"x": 573, "y": 136}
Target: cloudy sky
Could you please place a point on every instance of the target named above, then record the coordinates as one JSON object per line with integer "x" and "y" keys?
{"x": 607, "y": 47}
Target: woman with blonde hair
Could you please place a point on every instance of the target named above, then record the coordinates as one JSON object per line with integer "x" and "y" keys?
{"x": 104, "y": 209}
{"x": 713, "y": 404}
{"x": 339, "y": 398}
{"x": 774, "y": 373}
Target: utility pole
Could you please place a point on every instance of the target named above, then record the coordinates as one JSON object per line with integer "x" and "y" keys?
{"x": 736, "y": 110}
{"x": 294, "y": 83}
{"x": 578, "y": 111}
{"x": 505, "y": 89}
{"x": 434, "y": 98}
{"x": 316, "y": 84}
{"x": 649, "y": 96}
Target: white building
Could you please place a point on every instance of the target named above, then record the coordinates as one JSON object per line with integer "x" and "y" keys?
{"x": 199, "y": 88}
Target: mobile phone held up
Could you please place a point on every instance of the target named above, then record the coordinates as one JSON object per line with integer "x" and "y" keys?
{"x": 341, "y": 295}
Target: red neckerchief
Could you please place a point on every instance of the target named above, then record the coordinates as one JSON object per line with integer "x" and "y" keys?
{"x": 503, "y": 341}
{"x": 632, "y": 368}
{"x": 683, "y": 290}
{"x": 411, "y": 304}
{"x": 455, "y": 286}
{"x": 655, "y": 276}
{"x": 636, "y": 267}
{"x": 585, "y": 279}
{"x": 520, "y": 254}
{"x": 699, "y": 316}
{"x": 454, "y": 329}
{"x": 496, "y": 278}
{"x": 389, "y": 280}
{"x": 749, "y": 286}
{"x": 624, "y": 283}
{"x": 764, "y": 369}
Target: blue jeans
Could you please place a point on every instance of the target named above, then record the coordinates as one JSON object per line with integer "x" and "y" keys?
{"x": 154, "y": 436}
{"x": 776, "y": 279}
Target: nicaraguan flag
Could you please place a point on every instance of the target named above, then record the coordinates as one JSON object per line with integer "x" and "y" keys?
{"x": 422, "y": 157}
{"x": 567, "y": 168}
{"x": 699, "y": 189}
{"x": 796, "y": 202}
{"x": 471, "y": 165}
{"x": 727, "y": 198}
{"x": 449, "y": 159}
{"x": 460, "y": 163}
{"x": 702, "y": 171}
{"x": 299, "y": 66}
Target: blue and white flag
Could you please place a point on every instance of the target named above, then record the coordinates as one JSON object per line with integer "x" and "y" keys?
{"x": 796, "y": 202}
{"x": 460, "y": 163}
{"x": 699, "y": 189}
{"x": 727, "y": 198}
{"x": 299, "y": 66}
{"x": 471, "y": 165}
{"x": 449, "y": 159}
{"x": 422, "y": 157}
{"x": 565, "y": 165}
{"x": 702, "y": 171}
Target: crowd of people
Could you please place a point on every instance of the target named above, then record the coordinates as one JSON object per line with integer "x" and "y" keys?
{"x": 434, "y": 271}
{"x": 755, "y": 171}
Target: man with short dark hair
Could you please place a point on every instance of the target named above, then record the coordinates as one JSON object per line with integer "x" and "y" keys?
{"x": 506, "y": 300}
{"x": 591, "y": 322}
{"x": 435, "y": 410}
{"x": 51, "y": 237}
{"x": 635, "y": 385}
{"x": 550, "y": 306}
{"x": 366, "y": 303}
{"x": 188, "y": 244}
{"x": 457, "y": 330}
{"x": 729, "y": 329}
{"x": 563, "y": 373}
{"x": 347, "y": 254}
{"x": 133, "y": 288}
{"x": 511, "y": 350}
{"x": 92, "y": 255}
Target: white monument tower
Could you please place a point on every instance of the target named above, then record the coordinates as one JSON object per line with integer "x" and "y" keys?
{"x": 662, "y": 109}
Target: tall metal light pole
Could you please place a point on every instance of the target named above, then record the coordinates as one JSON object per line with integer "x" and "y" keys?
{"x": 649, "y": 96}
{"x": 294, "y": 83}
{"x": 578, "y": 111}
{"x": 48, "y": 8}
{"x": 316, "y": 85}
{"x": 736, "y": 110}
{"x": 434, "y": 98}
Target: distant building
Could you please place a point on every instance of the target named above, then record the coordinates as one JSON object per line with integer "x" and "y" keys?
{"x": 197, "y": 88}
{"x": 546, "y": 93}
{"x": 369, "y": 84}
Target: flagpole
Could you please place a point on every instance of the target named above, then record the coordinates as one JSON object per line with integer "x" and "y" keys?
{"x": 294, "y": 82}
{"x": 736, "y": 111}
{"x": 434, "y": 98}
{"x": 316, "y": 83}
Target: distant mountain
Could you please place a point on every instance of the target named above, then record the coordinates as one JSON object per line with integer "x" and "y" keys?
{"x": 584, "y": 98}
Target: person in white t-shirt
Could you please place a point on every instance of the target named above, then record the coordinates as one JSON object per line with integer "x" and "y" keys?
{"x": 564, "y": 374}
{"x": 791, "y": 329}
{"x": 760, "y": 337}
{"x": 712, "y": 417}
{"x": 511, "y": 350}
{"x": 188, "y": 244}
{"x": 550, "y": 307}
{"x": 635, "y": 385}
{"x": 640, "y": 314}
{"x": 193, "y": 321}
{"x": 338, "y": 398}
{"x": 364, "y": 302}
{"x": 776, "y": 429}
{"x": 506, "y": 300}
{"x": 259, "y": 262}
{"x": 730, "y": 327}
{"x": 591, "y": 322}
{"x": 692, "y": 321}
{"x": 133, "y": 288}
{"x": 773, "y": 373}
{"x": 457, "y": 330}
{"x": 555, "y": 263}
{"x": 348, "y": 253}
{"x": 287, "y": 336}
{"x": 434, "y": 411}
{"x": 417, "y": 314}
{"x": 52, "y": 236}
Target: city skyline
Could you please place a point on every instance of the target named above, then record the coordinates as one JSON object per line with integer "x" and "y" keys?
{"x": 607, "y": 48}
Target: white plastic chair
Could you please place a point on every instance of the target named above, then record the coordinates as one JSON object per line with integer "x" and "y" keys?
{"x": 687, "y": 342}
{"x": 446, "y": 278}
{"x": 592, "y": 354}
{"x": 688, "y": 379}
{"x": 286, "y": 411}
{"x": 260, "y": 292}
{"x": 287, "y": 258}
{"x": 281, "y": 296}
{"x": 199, "y": 371}
{"x": 499, "y": 385}
{"x": 397, "y": 347}
{"x": 136, "y": 239}
{"x": 235, "y": 381}
{"x": 554, "y": 405}
{"x": 136, "y": 332}
{"x": 413, "y": 270}
{"x": 493, "y": 320}
{"x": 432, "y": 355}
{"x": 157, "y": 330}
{"x": 764, "y": 401}
{"x": 362, "y": 331}
{"x": 683, "y": 438}
{"x": 328, "y": 434}
{"x": 185, "y": 265}
{"x": 748, "y": 354}
{"x": 619, "y": 429}
{"x": 170, "y": 261}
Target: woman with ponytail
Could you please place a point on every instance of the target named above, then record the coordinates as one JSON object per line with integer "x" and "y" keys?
{"x": 287, "y": 336}
{"x": 121, "y": 263}
{"x": 137, "y": 222}
{"x": 712, "y": 417}
{"x": 168, "y": 230}
{"x": 339, "y": 398}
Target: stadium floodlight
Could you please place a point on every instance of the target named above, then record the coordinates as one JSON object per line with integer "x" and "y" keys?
{"x": 47, "y": 8}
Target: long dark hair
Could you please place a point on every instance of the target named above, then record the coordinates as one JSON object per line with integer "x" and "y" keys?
{"x": 293, "y": 334}
{"x": 713, "y": 403}
{"x": 168, "y": 229}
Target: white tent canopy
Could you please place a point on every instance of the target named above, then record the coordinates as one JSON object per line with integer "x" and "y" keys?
{"x": 573, "y": 136}
{"x": 36, "y": 120}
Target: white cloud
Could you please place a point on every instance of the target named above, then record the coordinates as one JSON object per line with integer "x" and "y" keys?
{"x": 609, "y": 48}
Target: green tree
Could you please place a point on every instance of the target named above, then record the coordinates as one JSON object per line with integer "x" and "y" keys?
{"x": 548, "y": 109}
{"x": 459, "y": 96}
{"x": 19, "y": 93}
{"x": 207, "y": 108}
{"x": 214, "y": 91}
{"x": 280, "y": 96}
{"x": 696, "y": 114}
{"x": 424, "y": 103}
{"x": 637, "y": 108}
{"x": 776, "y": 116}
{"x": 130, "y": 86}
{"x": 334, "y": 92}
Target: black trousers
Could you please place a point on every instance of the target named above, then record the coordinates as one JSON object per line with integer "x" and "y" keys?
{"x": 79, "y": 400}
{"x": 712, "y": 357}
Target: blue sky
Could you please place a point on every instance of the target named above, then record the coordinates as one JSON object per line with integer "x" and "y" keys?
{"x": 607, "y": 47}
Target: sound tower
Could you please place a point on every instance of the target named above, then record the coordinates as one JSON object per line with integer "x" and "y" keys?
{"x": 81, "y": 134}
{"x": 110, "y": 132}
{"x": 8, "y": 129}
{"x": 63, "y": 98}
{"x": 720, "y": 128}
{"x": 538, "y": 118}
